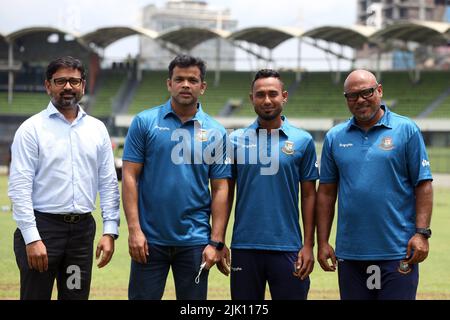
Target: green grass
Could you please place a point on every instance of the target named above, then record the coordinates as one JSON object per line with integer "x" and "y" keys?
{"x": 111, "y": 282}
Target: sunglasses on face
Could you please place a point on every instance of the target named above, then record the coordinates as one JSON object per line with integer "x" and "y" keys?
{"x": 365, "y": 94}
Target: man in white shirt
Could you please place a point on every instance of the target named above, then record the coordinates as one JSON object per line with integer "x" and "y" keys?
{"x": 61, "y": 158}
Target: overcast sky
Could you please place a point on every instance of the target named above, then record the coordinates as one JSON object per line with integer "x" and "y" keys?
{"x": 87, "y": 15}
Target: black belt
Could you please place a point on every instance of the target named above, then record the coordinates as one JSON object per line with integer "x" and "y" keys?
{"x": 68, "y": 217}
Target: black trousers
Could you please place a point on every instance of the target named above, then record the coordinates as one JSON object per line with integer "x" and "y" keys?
{"x": 69, "y": 244}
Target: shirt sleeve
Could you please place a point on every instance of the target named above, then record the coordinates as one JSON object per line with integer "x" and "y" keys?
{"x": 108, "y": 188}
{"x": 417, "y": 159}
{"x": 308, "y": 166}
{"x": 134, "y": 148}
{"x": 24, "y": 162}
{"x": 328, "y": 170}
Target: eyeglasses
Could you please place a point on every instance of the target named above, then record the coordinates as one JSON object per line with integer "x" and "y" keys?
{"x": 365, "y": 94}
{"x": 61, "y": 82}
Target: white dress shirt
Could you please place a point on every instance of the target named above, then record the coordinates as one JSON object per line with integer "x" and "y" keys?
{"x": 58, "y": 167}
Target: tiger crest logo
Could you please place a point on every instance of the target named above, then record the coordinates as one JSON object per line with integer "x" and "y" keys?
{"x": 387, "y": 143}
{"x": 288, "y": 147}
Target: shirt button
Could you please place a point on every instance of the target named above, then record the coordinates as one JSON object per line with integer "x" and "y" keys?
{"x": 366, "y": 138}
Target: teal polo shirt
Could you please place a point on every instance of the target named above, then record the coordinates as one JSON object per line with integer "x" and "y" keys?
{"x": 376, "y": 172}
{"x": 174, "y": 196}
{"x": 267, "y": 212}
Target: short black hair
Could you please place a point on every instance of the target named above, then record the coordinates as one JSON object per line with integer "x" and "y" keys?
{"x": 185, "y": 61}
{"x": 65, "y": 62}
{"x": 267, "y": 73}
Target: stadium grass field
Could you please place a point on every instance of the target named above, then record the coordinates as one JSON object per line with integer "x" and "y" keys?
{"x": 111, "y": 282}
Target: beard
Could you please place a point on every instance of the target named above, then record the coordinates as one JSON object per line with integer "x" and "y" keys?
{"x": 368, "y": 116}
{"x": 269, "y": 116}
{"x": 66, "y": 100}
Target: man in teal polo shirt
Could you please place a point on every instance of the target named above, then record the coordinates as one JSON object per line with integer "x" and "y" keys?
{"x": 171, "y": 154}
{"x": 272, "y": 161}
{"x": 376, "y": 163}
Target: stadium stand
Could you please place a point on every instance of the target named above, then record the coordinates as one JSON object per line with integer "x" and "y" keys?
{"x": 24, "y": 103}
{"x": 413, "y": 98}
{"x": 233, "y": 86}
{"x": 152, "y": 91}
{"x": 109, "y": 82}
{"x": 443, "y": 111}
{"x": 316, "y": 96}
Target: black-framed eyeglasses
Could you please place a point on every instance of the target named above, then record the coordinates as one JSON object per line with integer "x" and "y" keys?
{"x": 365, "y": 94}
{"x": 61, "y": 82}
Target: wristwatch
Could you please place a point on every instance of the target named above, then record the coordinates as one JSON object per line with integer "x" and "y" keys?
{"x": 426, "y": 232}
{"x": 219, "y": 245}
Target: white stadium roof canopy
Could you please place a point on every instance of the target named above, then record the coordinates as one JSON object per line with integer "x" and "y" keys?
{"x": 33, "y": 42}
{"x": 423, "y": 32}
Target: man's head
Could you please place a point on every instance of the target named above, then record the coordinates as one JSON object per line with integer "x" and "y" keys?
{"x": 363, "y": 94}
{"x": 65, "y": 81}
{"x": 185, "y": 61}
{"x": 186, "y": 80}
{"x": 268, "y": 95}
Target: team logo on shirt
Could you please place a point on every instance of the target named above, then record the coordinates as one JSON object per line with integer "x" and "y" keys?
{"x": 288, "y": 147}
{"x": 404, "y": 267}
{"x": 202, "y": 135}
{"x": 387, "y": 143}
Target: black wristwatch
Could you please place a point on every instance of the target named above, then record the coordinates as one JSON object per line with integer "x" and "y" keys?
{"x": 219, "y": 245}
{"x": 426, "y": 232}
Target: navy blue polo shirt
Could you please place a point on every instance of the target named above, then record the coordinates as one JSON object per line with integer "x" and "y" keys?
{"x": 179, "y": 159}
{"x": 376, "y": 172}
{"x": 267, "y": 194}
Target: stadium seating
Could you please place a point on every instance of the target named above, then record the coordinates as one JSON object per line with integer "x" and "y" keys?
{"x": 412, "y": 98}
{"x": 152, "y": 91}
{"x": 233, "y": 85}
{"x": 107, "y": 88}
{"x": 24, "y": 103}
{"x": 317, "y": 95}
{"x": 443, "y": 111}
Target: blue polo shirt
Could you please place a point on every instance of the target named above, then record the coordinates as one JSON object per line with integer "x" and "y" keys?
{"x": 267, "y": 214}
{"x": 174, "y": 197}
{"x": 376, "y": 172}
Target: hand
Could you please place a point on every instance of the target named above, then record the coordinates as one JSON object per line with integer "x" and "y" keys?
{"x": 105, "y": 246}
{"x": 305, "y": 263}
{"x": 324, "y": 253}
{"x": 138, "y": 246}
{"x": 37, "y": 256}
{"x": 419, "y": 244}
{"x": 212, "y": 256}
{"x": 224, "y": 265}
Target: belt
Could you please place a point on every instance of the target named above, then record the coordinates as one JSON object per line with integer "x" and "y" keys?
{"x": 67, "y": 217}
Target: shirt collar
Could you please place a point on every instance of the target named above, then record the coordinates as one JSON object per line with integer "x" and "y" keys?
{"x": 384, "y": 121}
{"x": 284, "y": 126}
{"x": 199, "y": 115}
{"x": 51, "y": 110}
